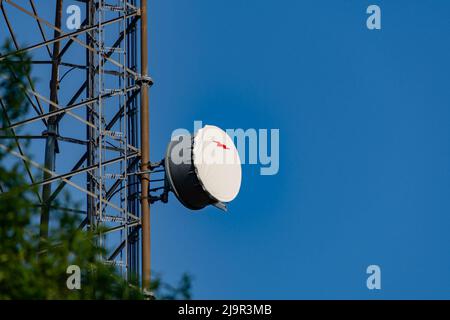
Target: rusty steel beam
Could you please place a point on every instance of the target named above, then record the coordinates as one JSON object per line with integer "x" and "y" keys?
{"x": 51, "y": 147}
{"x": 145, "y": 153}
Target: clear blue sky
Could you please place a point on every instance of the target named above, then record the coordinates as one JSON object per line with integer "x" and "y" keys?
{"x": 364, "y": 119}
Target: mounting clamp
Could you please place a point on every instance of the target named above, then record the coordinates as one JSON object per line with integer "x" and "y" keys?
{"x": 144, "y": 81}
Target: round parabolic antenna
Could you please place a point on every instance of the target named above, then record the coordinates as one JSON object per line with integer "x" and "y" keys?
{"x": 217, "y": 163}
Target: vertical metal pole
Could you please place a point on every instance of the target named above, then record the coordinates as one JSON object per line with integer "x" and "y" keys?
{"x": 50, "y": 145}
{"x": 124, "y": 127}
{"x": 145, "y": 152}
{"x": 90, "y": 132}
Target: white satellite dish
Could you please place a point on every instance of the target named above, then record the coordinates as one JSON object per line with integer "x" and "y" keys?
{"x": 204, "y": 169}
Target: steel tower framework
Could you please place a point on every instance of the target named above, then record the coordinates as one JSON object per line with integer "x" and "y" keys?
{"x": 96, "y": 103}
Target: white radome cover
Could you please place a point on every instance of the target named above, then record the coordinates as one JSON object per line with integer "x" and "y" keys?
{"x": 217, "y": 163}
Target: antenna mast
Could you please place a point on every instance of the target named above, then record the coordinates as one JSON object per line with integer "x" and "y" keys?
{"x": 94, "y": 120}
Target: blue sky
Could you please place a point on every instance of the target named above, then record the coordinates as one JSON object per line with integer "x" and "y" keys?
{"x": 364, "y": 119}
{"x": 364, "y": 135}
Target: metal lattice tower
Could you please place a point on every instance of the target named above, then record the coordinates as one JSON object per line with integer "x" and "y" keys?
{"x": 104, "y": 116}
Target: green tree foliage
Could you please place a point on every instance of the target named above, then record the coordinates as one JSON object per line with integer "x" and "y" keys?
{"x": 25, "y": 272}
